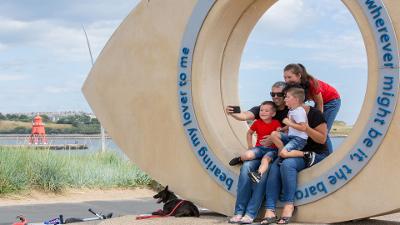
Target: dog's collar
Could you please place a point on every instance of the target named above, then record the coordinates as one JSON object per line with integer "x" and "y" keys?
{"x": 171, "y": 200}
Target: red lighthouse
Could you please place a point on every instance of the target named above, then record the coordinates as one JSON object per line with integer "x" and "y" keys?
{"x": 38, "y": 134}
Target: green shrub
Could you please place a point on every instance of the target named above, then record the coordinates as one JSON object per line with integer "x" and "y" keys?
{"x": 53, "y": 171}
{"x": 48, "y": 174}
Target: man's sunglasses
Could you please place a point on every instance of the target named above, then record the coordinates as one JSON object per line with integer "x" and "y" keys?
{"x": 278, "y": 94}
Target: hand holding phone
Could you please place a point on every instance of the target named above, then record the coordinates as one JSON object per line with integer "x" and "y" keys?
{"x": 236, "y": 109}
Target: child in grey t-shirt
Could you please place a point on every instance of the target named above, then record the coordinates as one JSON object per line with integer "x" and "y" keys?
{"x": 292, "y": 143}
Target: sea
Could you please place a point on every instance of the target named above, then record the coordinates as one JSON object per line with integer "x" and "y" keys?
{"x": 93, "y": 142}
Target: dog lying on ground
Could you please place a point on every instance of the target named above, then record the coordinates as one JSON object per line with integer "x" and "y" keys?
{"x": 173, "y": 206}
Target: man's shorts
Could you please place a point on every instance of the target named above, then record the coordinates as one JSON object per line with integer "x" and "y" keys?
{"x": 293, "y": 142}
{"x": 261, "y": 151}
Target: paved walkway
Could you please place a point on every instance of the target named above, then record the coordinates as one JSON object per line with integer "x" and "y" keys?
{"x": 125, "y": 210}
{"x": 40, "y": 212}
{"x": 211, "y": 218}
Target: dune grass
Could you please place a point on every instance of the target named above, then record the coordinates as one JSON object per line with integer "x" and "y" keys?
{"x": 23, "y": 169}
{"x": 10, "y": 125}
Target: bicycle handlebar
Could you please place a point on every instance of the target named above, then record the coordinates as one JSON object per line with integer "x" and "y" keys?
{"x": 97, "y": 214}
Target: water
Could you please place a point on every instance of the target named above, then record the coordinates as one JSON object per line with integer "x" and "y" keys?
{"x": 93, "y": 142}
{"x": 337, "y": 141}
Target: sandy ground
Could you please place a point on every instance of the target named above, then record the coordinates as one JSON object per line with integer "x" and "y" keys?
{"x": 72, "y": 196}
{"x": 206, "y": 218}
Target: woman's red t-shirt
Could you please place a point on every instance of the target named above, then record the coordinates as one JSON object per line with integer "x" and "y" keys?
{"x": 328, "y": 92}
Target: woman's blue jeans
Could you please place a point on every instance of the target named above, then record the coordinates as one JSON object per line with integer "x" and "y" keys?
{"x": 283, "y": 178}
{"x": 249, "y": 195}
{"x": 331, "y": 109}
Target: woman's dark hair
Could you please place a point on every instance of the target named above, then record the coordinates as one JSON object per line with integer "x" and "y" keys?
{"x": 289, "y": 86}
{"x": 306, "y": 78}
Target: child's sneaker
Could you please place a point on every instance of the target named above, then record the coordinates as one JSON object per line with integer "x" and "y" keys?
{"x": 309, "y": 157}
{"x": 235, "y": 161}
{"x": 235, "y": 219}
{"x": 255, "y": 176}
{"x": 246, "y": 220}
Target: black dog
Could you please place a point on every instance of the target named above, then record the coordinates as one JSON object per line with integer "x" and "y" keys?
{"x": 174, "y": 206}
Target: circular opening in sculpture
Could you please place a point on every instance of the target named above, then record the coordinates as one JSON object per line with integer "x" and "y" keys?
{"x": 324, "y": 38}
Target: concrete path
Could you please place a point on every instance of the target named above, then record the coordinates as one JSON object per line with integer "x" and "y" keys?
{"x": 210, "y": 219}
{"x": 125, "y": 213}
{"x": 40, "y": 212}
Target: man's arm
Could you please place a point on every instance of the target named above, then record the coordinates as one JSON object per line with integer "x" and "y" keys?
{"x": 243, "y": 116}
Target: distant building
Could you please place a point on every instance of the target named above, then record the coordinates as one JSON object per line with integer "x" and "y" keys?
{"x": 55, "y": 116}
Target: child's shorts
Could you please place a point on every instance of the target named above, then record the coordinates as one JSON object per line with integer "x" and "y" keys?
{"x": 261, "y": 151}
{"x": 293, "y": 142}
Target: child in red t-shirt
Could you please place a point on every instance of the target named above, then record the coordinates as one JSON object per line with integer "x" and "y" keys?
{"x": 262, "y": 127}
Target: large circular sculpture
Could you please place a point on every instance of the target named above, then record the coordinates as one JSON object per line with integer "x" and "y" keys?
{"x": 162, "y": 82}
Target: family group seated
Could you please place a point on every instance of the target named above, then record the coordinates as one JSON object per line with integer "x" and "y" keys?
{"x": 291, "y": 136}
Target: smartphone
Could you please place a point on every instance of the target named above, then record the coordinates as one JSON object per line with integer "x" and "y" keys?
{"x": 236, "y": 109}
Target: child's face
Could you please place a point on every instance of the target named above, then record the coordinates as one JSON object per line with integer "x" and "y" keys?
{"x": 267, "y": 112}
{"x": 291, "y": 78}
{"x": 291, "y": 101}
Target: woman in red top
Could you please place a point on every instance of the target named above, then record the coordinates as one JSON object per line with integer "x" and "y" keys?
{"x": 326, "y": 97}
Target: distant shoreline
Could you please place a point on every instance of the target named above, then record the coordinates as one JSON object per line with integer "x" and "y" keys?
{"x": 6, "y": 136}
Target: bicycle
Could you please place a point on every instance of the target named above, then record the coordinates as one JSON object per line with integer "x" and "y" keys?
{"x": 60, "y": 219}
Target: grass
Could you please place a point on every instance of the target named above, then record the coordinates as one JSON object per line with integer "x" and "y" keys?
{"x": 10, "y": 125}
{"x": 340, "y": 128}
{"x": 23, "y": 169}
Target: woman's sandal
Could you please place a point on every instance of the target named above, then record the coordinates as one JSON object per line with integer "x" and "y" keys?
{"x": 269, "y": 220}
{"x": 285, "y": 220}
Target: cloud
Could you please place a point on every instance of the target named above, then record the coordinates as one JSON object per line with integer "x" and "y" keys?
{"x": 7, "y": 24}
{"x": 3, "y": 47}
{"x": 345, "y": 50}
{"x": 99, "y": 33}
{"x": 43, "y": 49}
{"x": 66, "y": 43}
{"x": 290, "y": 16}
{"x": 13, "y": 31}
{"x": 68, "y": 11}
{"x": 55, "y": 27}
{"x": 57, "y": 90}
{"x": 260, "y": 65}
{"x": 322, "y": 34}
{"x": 12, "y": 63}
{"x": 285, "y": 16}
{"x": 322, "y": 31}
{"x": 8, "y": 77}
{"x": 63, "y": 41}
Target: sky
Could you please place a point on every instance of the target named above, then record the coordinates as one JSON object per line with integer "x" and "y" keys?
{"x": 44, "y": 58}
{"x": 320, "y": 34}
